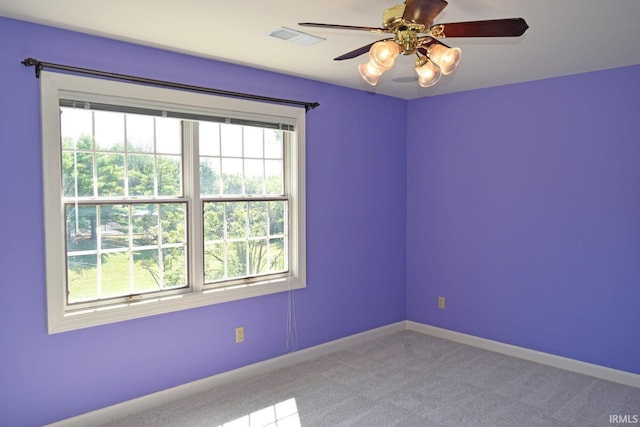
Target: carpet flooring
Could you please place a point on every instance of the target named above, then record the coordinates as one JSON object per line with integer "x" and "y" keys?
{"x": 405, "y": 379}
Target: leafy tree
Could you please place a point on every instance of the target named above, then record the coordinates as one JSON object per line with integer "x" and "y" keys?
{"x": 241, "y": 238}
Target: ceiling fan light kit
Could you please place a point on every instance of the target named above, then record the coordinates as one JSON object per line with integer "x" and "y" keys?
{"x": 428, "y": 72}
{"x": 414, "y": 34}
{"x": 382, "y": 56}
{"x": 370, "y": 73}
{"x": 447, "y": 58}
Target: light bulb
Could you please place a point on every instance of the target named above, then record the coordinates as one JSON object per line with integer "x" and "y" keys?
{"x": 383, "y": 54}
{"x": 428, "y": 73}
{"x": 446, "y": 58}
{"x": 370, "y": 72}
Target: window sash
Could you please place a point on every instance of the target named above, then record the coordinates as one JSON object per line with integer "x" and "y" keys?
{"x": 262, "y": 250}
{"x": 110, "y": 237}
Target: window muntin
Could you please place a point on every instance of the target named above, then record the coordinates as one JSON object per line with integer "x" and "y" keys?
{"x": 123, "y": 187}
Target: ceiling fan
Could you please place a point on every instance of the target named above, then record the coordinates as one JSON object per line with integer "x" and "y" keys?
{"x": 414, "y": 33}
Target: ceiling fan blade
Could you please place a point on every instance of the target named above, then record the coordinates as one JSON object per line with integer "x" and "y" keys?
{"x": 343, "y": 27}
{"x": 512, "y": 27}
{"x": 354, "y": 53}
{"x": 423, "y": 11}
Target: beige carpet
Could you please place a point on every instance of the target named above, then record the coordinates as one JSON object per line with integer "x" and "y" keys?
{"x": 404, "y": 379}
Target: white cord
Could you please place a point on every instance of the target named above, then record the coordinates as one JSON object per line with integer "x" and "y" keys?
{"x": 292, "y": 328}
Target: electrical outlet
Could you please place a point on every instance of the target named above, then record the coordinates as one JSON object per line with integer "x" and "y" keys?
{"x": 239, "y": 334}
{"x": 441, "y": 302}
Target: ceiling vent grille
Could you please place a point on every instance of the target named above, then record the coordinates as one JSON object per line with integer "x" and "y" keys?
{"x": 293, "y": 36}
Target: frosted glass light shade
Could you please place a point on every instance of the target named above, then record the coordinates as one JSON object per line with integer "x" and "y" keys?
{"x": 428, "y": 74}
{"x": 370, "y": 72}
{"x": 383, "y": 54}
{"x": 446, "y": 58}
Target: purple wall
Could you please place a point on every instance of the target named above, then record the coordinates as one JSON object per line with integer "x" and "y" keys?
{"x": 356, "y": 239}
{"x": 524, "y": 212}
{"x": 522, "y": 209}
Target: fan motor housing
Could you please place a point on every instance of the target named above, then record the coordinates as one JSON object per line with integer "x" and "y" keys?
{"x": 392, "y": 17}
{"x": 392, "y": 20}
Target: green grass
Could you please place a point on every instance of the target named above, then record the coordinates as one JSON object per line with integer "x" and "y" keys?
{"x": 115, "y": 279}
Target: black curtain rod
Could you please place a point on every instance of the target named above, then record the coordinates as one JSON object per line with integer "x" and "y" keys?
{"x": 40, "y": 65}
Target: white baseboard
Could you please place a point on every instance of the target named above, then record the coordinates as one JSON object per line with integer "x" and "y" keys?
{"x": 150, "y": 401}
{"x": 597, "y": 371}
{"x": 144, "y": 403}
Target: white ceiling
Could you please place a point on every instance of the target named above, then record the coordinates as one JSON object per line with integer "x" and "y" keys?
{"x": 565, "y": 36}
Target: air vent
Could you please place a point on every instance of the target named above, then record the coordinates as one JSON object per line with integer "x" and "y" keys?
{"x": 293, "y": 36}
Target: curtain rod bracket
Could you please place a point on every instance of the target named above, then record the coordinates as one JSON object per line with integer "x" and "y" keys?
{"x": 310, "y": 106}
{"x": 39, "y": 66}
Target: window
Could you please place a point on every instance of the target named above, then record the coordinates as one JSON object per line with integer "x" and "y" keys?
{"x": 158, "y": 200}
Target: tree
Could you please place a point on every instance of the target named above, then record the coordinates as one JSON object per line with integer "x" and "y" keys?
{"x": 242, "y": 238}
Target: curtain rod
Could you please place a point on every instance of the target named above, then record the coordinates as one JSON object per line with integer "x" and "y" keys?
{"x": 40, "y": 65}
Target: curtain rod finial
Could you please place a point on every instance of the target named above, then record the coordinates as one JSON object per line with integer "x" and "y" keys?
{"x": 30, "y": 62}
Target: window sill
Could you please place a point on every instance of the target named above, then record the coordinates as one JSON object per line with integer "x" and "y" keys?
{"x": 154, "y": 306}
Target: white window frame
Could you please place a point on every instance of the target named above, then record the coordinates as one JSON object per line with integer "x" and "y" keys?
{"x": 60, "y": 317}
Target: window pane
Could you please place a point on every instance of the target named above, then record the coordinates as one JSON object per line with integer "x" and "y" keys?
{"x": 146, "y": 271}
{"x": 278, "y": 255}
{"x": 76, "y": 128}
{"x": 209, "y": 138}
{"x": 110, "y": 173}
{"x": 214, "y": 221}
{"x": 109, "y": 130}
{"x": 140, "y": 133}
{"x": 276, "y": 218}
{"x": 77, "y": 174}
{"x": 275, "y": 178}
{"x": 168, "y": 136}
{"x": 173, "y": 217}
{"x": 254, "y": 176}
{"x": 258, "y": 262}
{"x": 113, "y": 225}
{"x": 81, "y": 228}
{"x": 169, "y": 175}
{"x": 257, "y": 219}
{"x": 236, "y": 220}
{"x": 214, "y": 262}
{"x": 210, "y": 176}
{"x": 273, "y": 144}
{"x": 253, "y": 143}
{"x": 114, "y": 275}
{"x": 231, "y": 140}
{"x": 232, "y": 176}
{"x": 141, "y": 173}
{"x": 175, "y": 267}
{"x": 236, "y": 259}
{"x": 144, "y": 223}
{"x": 82, "y": 277}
